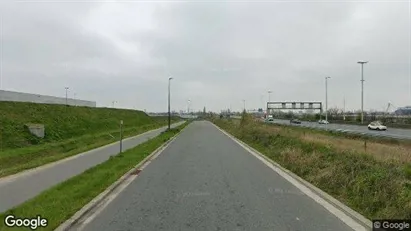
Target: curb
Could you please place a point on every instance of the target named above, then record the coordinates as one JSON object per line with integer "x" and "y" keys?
{"x": 357, "y": 217}
{"x": 95, "y": 202}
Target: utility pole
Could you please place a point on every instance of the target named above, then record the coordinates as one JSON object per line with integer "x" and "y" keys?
{"x": 362, "y": 89}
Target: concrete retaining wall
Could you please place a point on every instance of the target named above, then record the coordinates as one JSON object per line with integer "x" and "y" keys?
{"x": 34, "y": 98}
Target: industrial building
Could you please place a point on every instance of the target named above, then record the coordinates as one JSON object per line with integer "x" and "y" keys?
{"x": 45, "y": 99}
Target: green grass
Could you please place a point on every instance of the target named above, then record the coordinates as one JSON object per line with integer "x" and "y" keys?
{"x": 376, "y": 189}
{"x": 69, "y": 131}
{"x": 62, "y": 201}
{"x": 61, "y": 122}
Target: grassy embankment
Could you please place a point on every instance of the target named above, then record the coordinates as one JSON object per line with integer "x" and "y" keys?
{"x": 374, "y": 180}
{"x": 69, "y": 131}
{"x": 62, "y": 201}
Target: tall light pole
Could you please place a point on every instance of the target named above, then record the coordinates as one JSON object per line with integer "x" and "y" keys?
{"x": 66, "y": 94}
{"x": 188, "y": 106}
{"x": 169, "y": 114}
{"x": 269, "y": 98}
{"x": 326, "y": 97}
{"x": 344, "y": 109}
{"x": 75, "y": 104}
{"x": 362, "y": 89}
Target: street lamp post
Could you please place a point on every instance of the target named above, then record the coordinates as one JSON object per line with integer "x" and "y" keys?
{"x": 344, "y": 110}
{"x": 326, "y": 97}
{"x": 188, "y": 106}
{"x": 269, "y": 99}
{"x": 362, "y": 89}
{"x": 66, "y": 95}
{"x": 169, "y": 114}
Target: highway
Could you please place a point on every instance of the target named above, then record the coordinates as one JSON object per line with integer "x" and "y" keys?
{"x": 205, "y": 181}
{"x": 395, "y": 133}
{"x": 20, "y": 187}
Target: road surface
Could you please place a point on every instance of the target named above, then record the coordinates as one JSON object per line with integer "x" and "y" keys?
{"x": 206, "y": 181}
{"x": 396, "y": 133}
{"x": 18, "y": 188}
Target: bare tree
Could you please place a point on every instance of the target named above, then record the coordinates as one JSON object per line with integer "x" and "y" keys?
{"x": 334, "y": 113}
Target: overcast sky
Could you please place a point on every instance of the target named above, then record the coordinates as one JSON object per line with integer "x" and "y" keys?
{"x": 219, "y": 53}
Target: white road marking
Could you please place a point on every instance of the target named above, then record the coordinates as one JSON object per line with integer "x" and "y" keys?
{"x": 108, "y": 200}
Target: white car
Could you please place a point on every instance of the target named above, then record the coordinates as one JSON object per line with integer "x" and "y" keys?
{"x": 377, "y": 126}
{"x": 323, "y": 122}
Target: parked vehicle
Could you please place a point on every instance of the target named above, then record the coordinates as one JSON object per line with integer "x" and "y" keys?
{"x": 377, "y": 125}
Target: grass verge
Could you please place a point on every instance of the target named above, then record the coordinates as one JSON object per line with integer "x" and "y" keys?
{"x": 60, "y": 122}
{"x": 62, "y": 201}
{"x": 17, "y": 160}
{"x": 375, "y": 182}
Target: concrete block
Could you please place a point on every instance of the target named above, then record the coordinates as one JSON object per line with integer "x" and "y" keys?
{"x": 36, "y": 129}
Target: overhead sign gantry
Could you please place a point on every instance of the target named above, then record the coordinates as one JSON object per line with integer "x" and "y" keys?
{"x": 294, "y": 106}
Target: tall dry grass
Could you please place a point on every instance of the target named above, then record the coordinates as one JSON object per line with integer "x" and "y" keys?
{"x": 376, "y": 182}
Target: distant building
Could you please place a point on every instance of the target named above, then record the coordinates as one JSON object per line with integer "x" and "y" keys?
{"x": 403, "y": 110}
{"x": 12, "y": 96}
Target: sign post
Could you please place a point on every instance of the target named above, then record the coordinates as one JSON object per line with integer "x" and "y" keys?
{"x": 121, "y": 136}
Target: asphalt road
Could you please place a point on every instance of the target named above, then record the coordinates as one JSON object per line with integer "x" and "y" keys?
{"x": 18, "y": 188}
{"x": 206, "y": 181}
{"x": 396, "y": 133}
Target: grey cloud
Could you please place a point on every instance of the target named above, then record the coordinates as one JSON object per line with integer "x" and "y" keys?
{"x": 219, "y": 53}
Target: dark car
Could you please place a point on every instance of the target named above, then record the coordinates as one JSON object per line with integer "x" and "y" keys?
{"x": 268, "y": 120}
{"x": 295, "y": 121}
